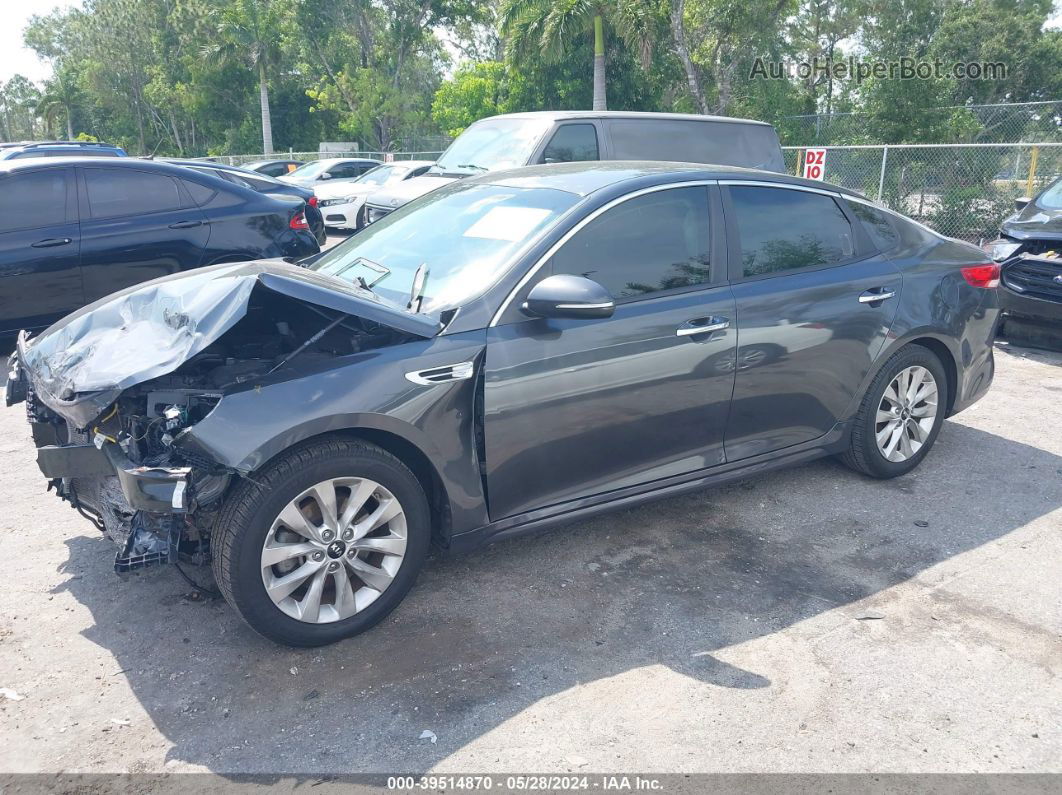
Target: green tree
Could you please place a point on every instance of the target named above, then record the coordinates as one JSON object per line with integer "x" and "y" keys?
{"x": 252, "y": 30}
{"x": 551, "y": 27}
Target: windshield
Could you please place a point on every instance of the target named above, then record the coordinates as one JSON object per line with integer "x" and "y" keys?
{"x": 381, "y": 174}
{"x": 463, "y": 235}
{"x": 1051, "y": 199}
{"x": 491, "y": 145}
{"x": 310, "y": 169}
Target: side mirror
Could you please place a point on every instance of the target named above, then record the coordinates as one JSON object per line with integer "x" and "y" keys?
{"x": 325, "y": 175}
{"x": 569, "y": 296}
{"x": 1021, "y": 202}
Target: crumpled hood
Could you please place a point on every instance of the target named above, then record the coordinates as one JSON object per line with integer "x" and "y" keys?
{"x": 1034, "y": 222}
{"x": 408, "y": 190}
{"x": 79, "y": 365}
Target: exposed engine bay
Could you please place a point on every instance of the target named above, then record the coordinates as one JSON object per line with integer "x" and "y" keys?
{"x": 277, "y": 338}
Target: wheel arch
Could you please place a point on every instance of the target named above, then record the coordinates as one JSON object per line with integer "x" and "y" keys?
{"x": 415, "y": 454}
{"x": 935, "y": 343}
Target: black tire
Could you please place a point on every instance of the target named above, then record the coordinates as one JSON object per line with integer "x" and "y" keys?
{"x": 863, "y": 454}
{"x": 250, "y": 509}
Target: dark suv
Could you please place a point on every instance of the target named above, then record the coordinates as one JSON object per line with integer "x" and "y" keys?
{"x": 61, "y": 149}
{"x": 75, "y": 229}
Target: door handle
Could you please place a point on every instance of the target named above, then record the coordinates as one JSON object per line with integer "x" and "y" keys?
{"x": 876, "y": 295}
{"x": 702, "y": 325}
{"x": 185, "y": 224}
{"x": 49, "y": 242}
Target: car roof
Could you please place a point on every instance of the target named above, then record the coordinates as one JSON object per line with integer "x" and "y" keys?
{"x": 557, "y": 115}
{"x": 410, "y": 163}
{"x": 344, "y": 160}
{"x": 32, "y": 163}
{"x": 584, "y": 178}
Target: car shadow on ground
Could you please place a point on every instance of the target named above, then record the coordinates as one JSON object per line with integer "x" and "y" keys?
{"x": 488, "y": 635}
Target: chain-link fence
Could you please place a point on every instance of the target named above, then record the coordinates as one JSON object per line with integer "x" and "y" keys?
{"x": 240, "y": 160}
{"x": 961, "y": 191}
{"x": 1006, "y": 121}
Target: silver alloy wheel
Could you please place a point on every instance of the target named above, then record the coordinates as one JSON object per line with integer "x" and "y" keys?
{"x": 334, "y": 549}
{"x": 906, "y": 413}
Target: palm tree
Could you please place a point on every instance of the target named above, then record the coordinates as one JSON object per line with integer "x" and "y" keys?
{"x": 249, "y": 31}
{"x": 551, "y": 26}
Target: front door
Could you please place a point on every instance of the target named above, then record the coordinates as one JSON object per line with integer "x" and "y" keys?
{"x": 40, "y": 278}
{"x": 809, "y": 327}
{"x": 575, "y": 408}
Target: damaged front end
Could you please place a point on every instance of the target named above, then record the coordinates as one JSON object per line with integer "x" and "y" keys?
{"x": 111, "y": 391}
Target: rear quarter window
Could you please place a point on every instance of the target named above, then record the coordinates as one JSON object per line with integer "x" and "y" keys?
{"x": 878, "y": 225}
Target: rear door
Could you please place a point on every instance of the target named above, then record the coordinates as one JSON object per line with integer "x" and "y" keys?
{"x": 815, "y": 302}
{"x": 575, "y": 408}
{"x": 40, "y": 278}
{"x": 136, "y": 225}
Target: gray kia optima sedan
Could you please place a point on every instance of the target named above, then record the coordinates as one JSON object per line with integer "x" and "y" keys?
{"x": 506, "y": 353}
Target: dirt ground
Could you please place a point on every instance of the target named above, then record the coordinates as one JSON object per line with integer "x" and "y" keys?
{"x": 807, "y": 620}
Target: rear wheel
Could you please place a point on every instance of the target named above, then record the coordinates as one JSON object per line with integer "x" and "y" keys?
{"x": 900, "y": 416}
{"x": 323, "y": 544}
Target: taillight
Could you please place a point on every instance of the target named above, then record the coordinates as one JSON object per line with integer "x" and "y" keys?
{"x": 986, "y": 275}
{"x": 312, "y": 201}
{"x": 298, "y": 221}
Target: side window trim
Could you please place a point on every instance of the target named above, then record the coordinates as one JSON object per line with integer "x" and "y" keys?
{"x": 861, "y": 248}
{"x": 718, "y": 276}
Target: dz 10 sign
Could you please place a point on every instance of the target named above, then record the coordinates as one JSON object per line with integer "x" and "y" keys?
{"x": 815, "y": 164}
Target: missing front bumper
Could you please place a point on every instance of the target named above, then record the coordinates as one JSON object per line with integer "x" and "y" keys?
{"x": 153, "y": 489}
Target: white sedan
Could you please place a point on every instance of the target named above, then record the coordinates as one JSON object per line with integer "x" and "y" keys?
{"x": 341, "y": 202}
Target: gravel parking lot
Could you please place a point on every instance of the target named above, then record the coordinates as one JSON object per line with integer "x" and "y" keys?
{"x": 807, "y": 620}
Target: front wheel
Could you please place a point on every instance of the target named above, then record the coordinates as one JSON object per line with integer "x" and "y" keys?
{"x": 323, "y": 543}
{"x": 900, "y": 416}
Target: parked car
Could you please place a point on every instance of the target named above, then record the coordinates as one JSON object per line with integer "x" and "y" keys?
{"x": 519, "y": 139}
{"x": 342, "y": 202}
{"x": 274, "y": 168}
{"x": 1029, "y": 249}
{"x": 317, "y": 171}
{"x": 263, "y": 184}
{"x": 73, "y": 230}
{"x": 510, "y": 352}
{"x": 61, "y": 149}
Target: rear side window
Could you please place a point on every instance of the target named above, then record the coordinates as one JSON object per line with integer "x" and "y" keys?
{"x": 29, "y": 201}
{"x": 781, "y": 230}
{"x": 117, "y": 192}
{"x": 645, "y": 245}
{"x": 877, "y": 224}
{"x": 726, "y": 143}
{"x": 571, "y": 143}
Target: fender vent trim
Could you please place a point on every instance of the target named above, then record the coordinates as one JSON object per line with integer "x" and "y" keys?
{"x": 442, "y": 375}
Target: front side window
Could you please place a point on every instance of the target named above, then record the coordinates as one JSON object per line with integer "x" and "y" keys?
{"x": 28, "y": 201}
{"x": 781, "y": 229}
{"x": 645, "y": 245}
{"x": 571, "y": 143}
{"x": 117, "y": 192}
{"x": 463, "y": 236}
{"x": 344, "y": 171}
